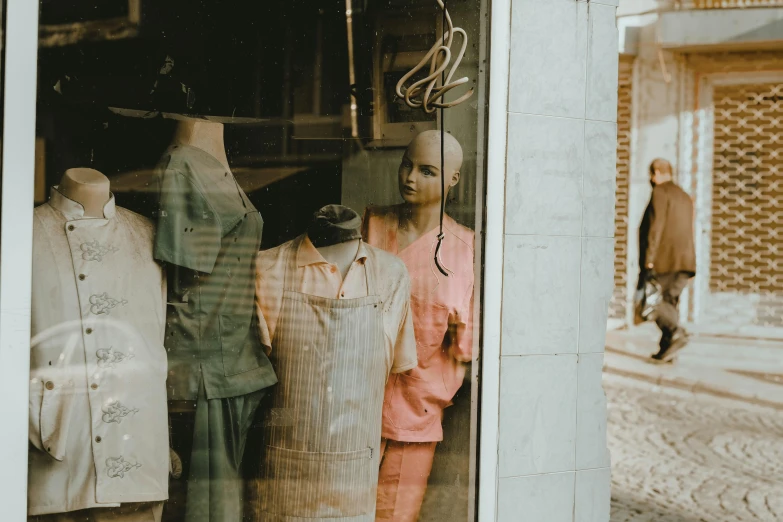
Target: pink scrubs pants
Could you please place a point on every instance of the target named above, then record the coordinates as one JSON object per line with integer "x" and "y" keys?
{"x": 402, "y": 482}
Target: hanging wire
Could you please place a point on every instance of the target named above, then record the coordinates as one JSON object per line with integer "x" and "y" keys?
{"x": 430, "y": 98}
{"x": 438, "y": 261}
{"x": 433, "y": 97}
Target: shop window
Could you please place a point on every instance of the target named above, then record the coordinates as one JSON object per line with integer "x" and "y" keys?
{"x": 247, "y": 301}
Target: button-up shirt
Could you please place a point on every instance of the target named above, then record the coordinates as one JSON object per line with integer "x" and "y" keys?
{"x": 98, "y": 419}
{"x": 208, "y": 232}
{"x": 322, "y": 279}
{"x": 443, "y": 319}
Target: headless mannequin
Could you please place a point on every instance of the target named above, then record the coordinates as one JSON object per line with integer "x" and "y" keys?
{"x": 213, "y": 438}
{"x": 88, "y": 187}
{"x": 340, "y": 255}
{"x": 419, "y": 183}
{"x": 335, "y": 233}
{"x": 204, "y": 135}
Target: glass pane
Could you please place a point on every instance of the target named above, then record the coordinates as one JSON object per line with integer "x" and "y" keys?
{"x": 247, "y": 303}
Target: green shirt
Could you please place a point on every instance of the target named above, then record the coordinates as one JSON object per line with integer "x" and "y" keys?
{"x": 209, "y": 233}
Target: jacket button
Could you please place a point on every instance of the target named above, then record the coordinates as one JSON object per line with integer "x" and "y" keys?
{"x": 89, "y": 331}
{"x": 98, "y": 438}
{"x": 71, "y": 227}
{"x": 82, "y": 277}
{"x": 49, "y": 385}
{"x": 94, "y": 386}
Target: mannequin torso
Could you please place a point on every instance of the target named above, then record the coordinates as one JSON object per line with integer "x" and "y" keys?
{"x": 414, "y": 222}
{"x": 95, "y": 273}
{"x": 341, "y": 255}
{"x": 88, "y": 187}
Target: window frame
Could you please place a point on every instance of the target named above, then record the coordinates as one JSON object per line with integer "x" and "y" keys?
{"x": 16, "y": 255}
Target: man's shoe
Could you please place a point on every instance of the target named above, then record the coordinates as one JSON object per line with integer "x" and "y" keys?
{"x": 669, "y": 350}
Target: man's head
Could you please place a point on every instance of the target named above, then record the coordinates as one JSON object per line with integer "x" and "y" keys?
{"x": 419, "y": 172}
{"x": 660, "y": 171}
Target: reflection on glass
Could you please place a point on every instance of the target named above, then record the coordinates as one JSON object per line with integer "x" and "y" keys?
{"x": 193, "y": 361}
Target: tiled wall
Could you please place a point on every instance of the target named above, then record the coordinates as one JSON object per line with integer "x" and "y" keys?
{"x": 562, "y": 139}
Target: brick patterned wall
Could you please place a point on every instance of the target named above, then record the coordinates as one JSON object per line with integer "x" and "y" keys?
{"x": 747, "y": 196}
{"x": 624, "y": 96}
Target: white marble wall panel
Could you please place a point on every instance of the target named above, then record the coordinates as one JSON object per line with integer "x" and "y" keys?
{"x": 599, "y": 178}
{"x": 591, "y": 449}
{"x": 548, "y": 57}
{"x": 602, "y": 68}
{"x": 537, "y": 498}
{"x": 544, "y": 175}
{"x": 558, "y": 261}
{"x": 596, "y": 282}
{"x": 537, "y": 414}
{"x": 593, "y": 493}
{"x": 541, "y": 286}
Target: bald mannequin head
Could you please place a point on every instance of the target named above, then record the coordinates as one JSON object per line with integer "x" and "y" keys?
{"x": 419, "y": 173}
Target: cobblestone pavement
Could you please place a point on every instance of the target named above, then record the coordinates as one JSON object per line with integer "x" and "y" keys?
{"x": 678, "y": 457}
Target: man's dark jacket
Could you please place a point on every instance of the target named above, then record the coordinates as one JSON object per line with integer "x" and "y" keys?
{"x": 666, "y": 232}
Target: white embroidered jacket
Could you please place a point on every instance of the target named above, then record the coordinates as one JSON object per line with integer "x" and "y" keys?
{"x": 98, "y": 417}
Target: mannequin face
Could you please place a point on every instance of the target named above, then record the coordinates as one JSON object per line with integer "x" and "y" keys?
{"x": 419, "y": 172}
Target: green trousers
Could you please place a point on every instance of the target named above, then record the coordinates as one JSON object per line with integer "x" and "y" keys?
{"x": 215, "y": 485}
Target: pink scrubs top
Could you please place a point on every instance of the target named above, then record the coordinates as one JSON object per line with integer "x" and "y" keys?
{"x": 442, "y": 319}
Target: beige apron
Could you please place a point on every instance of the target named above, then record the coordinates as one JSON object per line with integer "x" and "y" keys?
{"x": 324, "y": 431}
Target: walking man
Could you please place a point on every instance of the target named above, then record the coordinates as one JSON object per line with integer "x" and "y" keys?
{"x": 666, "y": 252}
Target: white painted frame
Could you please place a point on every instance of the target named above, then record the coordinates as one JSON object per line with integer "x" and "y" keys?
{"x": 21, "y": 52}
{"x": 495, "y": 207}
{"x": 698, "y": 141}
{"x": 16, "y": 258}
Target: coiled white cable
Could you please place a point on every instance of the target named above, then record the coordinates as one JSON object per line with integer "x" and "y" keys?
{"x": 417, "y": 95}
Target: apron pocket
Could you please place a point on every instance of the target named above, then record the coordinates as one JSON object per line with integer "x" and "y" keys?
{"x": 319, "y": 485}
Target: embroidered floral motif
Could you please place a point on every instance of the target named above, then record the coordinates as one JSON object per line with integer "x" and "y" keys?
{"x": 116, "y": 411}
{"x": 102, "y": 303}
{"x": 117, "y": 467}
{"x": 95, "y": 251}
{"x": 108, "y": 358}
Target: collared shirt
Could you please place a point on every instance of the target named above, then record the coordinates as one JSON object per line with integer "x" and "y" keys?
{"x": 322, "y": 279}
{"x": 208, "y": 232}
{"x": 443, "y": 318}
{"x": 98, "y": 417}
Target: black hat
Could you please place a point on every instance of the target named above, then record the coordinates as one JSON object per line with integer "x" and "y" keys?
{"x": 192, "y": 58}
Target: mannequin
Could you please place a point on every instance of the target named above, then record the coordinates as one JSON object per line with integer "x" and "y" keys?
{"x": 88, "y": 187}
{"x": 341, "y": 255}
{"x": 337, "y": 313}
{"x": 334, "y": 233}
{"x": 442, "y": 309}
{"x": 204, "y": 135}
{"x": 208, "y": 234}
{"x": 97, "y": 361}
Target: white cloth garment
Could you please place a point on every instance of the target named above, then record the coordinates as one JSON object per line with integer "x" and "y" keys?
{"x": 98, "y": 416}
